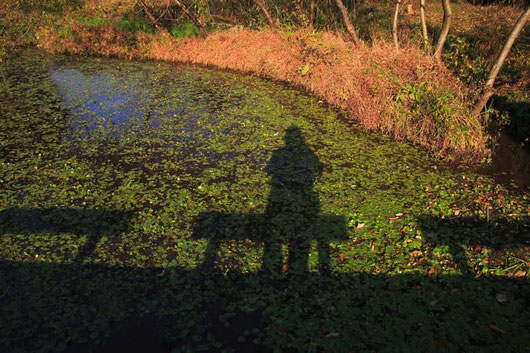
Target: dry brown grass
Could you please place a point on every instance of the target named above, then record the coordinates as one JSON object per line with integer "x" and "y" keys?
{"x": 363, "y": 81}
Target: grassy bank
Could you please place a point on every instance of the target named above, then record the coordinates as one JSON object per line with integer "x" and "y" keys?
{"x": 401, "y": 93}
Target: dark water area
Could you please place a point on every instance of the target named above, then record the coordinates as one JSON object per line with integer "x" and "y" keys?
{"x": 169, "y": 208}
{"x": 511, "y": 163}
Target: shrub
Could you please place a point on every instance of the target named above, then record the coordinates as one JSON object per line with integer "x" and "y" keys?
{"x": 184, "y": 30}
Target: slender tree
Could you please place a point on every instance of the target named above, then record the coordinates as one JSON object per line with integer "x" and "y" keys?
{"x": 332, "y": 16}
{"x": 152, "y": 18}
{"x": 424, "y": 22}
{"x": 312, "y": 14}
{"x": 446, "y": 25}
{"x": 263, "y": 8}
{"x": 195, "y": 19}
{"x": 487, "y": 90}
{"x": 300, "y": 12}
{"x": 395, "y": 25}
{"x": 349, "y": 26}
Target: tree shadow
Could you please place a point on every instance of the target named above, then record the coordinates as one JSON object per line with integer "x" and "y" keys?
{"x": 292, "y": 214}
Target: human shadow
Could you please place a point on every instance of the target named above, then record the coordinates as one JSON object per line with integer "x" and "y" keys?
{"x": 92, "y": 223}
{"x": 292, "y": 215}
{"x": 459, "y": 232}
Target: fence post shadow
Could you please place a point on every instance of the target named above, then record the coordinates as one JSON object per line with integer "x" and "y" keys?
{"x": 459, "y": 232}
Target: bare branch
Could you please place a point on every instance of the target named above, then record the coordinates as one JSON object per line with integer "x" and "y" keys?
{"x": 266, "y": 13}
{"x": 152, "y": 18}
{"x": 448, "y": 13}
{"x": 395, "y": 25}
{"x": 349, "y": 26}
{"x": 192, "y": 18}
{"x": 487, "y": 90}
{"x": 424, "y": 22}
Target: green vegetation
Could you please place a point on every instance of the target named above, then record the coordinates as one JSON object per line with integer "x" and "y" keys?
{"x": 184, "y": 30}
{"x": 134, "y": 195}
{"x": 179, "y": 208}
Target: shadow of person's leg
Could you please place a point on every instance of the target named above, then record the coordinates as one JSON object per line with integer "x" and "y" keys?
{"x": 324, "y": 258}
{"x": 88, "y": 248}
{"x": 299, "y": 255}
{"x": 459, "y": 257}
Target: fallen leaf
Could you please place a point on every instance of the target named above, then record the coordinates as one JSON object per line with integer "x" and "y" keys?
{"x": 360, "y": 225}
{"x": 496, "y": 328}
{"x": 501, "y": 297}
{"x": 433, "y": 271}
{"x": 416, "y": 253}
{"x": 519, "y": 274}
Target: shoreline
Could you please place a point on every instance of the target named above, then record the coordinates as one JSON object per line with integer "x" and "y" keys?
{"x": 404, "y": 94}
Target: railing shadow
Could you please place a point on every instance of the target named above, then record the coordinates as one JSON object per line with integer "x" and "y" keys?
{"x": 92, "y": 223}
{"x": 457, "y": 232}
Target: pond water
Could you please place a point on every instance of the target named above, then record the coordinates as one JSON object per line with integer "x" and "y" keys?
{"x": 155, "y": 166}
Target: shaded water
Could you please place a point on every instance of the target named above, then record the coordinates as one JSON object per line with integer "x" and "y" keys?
{"x": 198, "y": 198}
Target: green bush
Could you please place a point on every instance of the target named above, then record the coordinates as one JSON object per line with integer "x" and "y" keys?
{"x": 184, "y": 30}
{"x": 135, "y": 24}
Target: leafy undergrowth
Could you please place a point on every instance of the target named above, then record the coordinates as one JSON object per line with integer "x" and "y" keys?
{"x": 185, "y": 209}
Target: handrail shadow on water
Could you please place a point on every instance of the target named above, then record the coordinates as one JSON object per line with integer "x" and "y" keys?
{"x": 92, "y": 223}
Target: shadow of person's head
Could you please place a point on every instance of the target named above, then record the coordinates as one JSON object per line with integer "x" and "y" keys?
{"x": 294, "y": 165}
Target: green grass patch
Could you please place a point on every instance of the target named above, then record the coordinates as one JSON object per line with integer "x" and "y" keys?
{"x": 184, "y": 30}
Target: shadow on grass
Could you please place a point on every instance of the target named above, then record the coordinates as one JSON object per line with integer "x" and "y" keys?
{"x": 458, "y": 232}
{"x": 91, "y": 308}
{"x": 82, "y": 307}
{"x": 91, "y": 223}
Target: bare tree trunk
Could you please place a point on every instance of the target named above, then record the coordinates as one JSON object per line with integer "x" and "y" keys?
{"x": 488, "y": 90}
{"x": 445, "y": 30}
{"x": 266, "y": 12}
{"x": 312, "y": 14}
{"x": 152, "y": 18}
{"x": 301, "y": 15}
{"x": 424, "y": 22}
{"x": 355, "y": 10}
{"x": 395, "y": 25}
{"x": 347, "y": 22}
{"x": 192, "y": 18}
{"x": 332, "y": 16}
